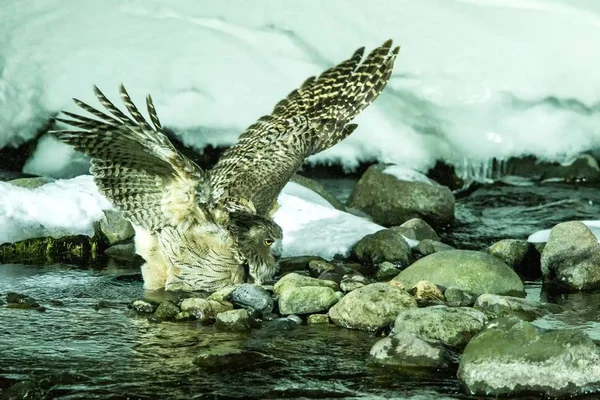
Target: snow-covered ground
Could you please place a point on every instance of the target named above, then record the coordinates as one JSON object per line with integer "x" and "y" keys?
{"x": 474, "y": 79}
{"x": 311, "y": 226}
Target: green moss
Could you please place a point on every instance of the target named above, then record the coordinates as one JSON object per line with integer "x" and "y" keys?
{"x": 49, "y": 250}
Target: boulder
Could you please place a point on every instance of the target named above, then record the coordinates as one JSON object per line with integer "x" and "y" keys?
{"x": 392, "y": 201}
{"x": 514, "y": 357}
{"x": 306, "y": 300}
{"x": 371, "y": 307}
{"x": 495, "y": 306}
{"x": 571, "y": 258}
{"x": 406, "y": 351}
{"x": 115, "y": 227}
{"x": 451, "y": 326}
{"x": 471, "y": 271}
{"x": 385, "y": 245}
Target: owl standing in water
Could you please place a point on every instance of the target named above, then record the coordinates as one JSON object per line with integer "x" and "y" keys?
{"x": 202, "y": 230}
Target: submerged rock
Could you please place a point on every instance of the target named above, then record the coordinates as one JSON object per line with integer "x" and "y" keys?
{"x": 391, "y": 201}
{"x": 306, "y": 300}
{"x": 18, "y": 300}
{"x": 297, "y": 280}
{"x": 408, "y": 351}
{"x": 227, "y": 359}
{"x": 371, "y": 307}
{"x": 26, "y": 389}
{"x": 571, "y": 258}
{"x": 513, "y": 357}
{"x": 495, "y": 306}
{"x": 451, "y": 326}
{"x": 115, "y": 227}
{"x": 428, "y": 246}
{"x": 253, "y": 298}
{"x": 417, "y": 229}
{"x": 385, "y": 245}
{"x": 471, "y": 271}
{"x": 236, "y": 320}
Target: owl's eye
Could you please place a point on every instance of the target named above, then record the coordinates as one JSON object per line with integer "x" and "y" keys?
{"x": 269, "y": 242}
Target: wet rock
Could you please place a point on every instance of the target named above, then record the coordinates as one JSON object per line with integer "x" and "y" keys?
{"x": 26, "y": 389}
{"x": 115, "y": 227}
{"x": 102, "y": 304}
{"x": 391, "y": 201}
{"x": 199, "y": 308}
{"x": 317, "y": 319}
{"x": 219, "y": 306}
{"x": 166, "y": 311}
{"x": 428, "y": 246}
{"x": 297, "y": 280}
{"x": 143, "y": 306}
{"x": 236, "y": 320}
{"x": 223, "y": 294}
{"x": 79, "y": 249}
{"x": 18, "y": 300}
{"x": 385, "y": 245}
{"x": 184, "y": 316}
{"x": 456, "y": 297}
{"x": 31, "y": 183}
{"x": 124, "y": 252}
{"x": 253, "y": 298}
{"x": 56, "y": 303}
{"x": 453, "y": 326}
{"x": 471, "y": 271}
{"x": 318, "y": 267}
{"x": 386, "y": 271}
{"x": 352, "y": 282}
{"x": 571, "y": 258}
{"x": 408, "y": 351}
{"x": 511, "y": 251}
{"x": 319, "y": 189}
{"x": 371, "y": 307}
{"x": 283, "y": 324}
{"x": 495, "y": 306}
{"x": 426, "y": 294}
{"x": 583, "y": 168}
{"x": 513, "y": 357}
{"x": 306, "y": 300}
{"x": 417, "y": 229}
{"x": 227, "y": 359}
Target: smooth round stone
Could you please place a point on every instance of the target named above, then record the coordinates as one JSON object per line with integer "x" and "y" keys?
{"x": 252, "y": 297}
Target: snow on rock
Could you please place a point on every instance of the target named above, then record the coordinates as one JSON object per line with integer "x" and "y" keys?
{"x": 474, "y": 78}
{"x": 311, "y": 226}
{"x": 542, "y": 236}
{"x": 406, "y": 174}
{"x": 60, "y": 208}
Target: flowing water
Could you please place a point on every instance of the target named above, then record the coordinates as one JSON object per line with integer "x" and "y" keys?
{"x": 88, "y": 345}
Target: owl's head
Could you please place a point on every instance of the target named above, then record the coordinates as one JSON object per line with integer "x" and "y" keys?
{"x": 259, "y": 242}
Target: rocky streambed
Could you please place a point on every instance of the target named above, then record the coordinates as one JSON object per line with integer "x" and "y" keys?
{"x": 471, "y": 311}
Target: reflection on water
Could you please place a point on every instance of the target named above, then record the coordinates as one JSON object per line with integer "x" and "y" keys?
{"x": 93, "y": 347}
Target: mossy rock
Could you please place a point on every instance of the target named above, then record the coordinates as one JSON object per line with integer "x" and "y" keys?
{"x": 49, "y": 250}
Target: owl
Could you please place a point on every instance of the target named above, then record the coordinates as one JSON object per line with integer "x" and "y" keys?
{"x": 201, "y": 230}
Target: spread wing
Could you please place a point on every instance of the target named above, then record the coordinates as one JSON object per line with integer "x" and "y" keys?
{"x": 135, "y": 166}
{"x": 310, "y": 119}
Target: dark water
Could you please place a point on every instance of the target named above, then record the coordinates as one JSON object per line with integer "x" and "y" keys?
{"x": 93, "y": 347}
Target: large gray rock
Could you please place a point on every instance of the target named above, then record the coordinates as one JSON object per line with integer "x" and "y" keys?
{"x": 513, "y": 356}
{"x": 571, "y": 258}
{"x": 471, "y": 271}
{"x": 407, "y": 351}
{"x": 391, "y": 201}
{"x": 252, "y": 297}
{"x": 115, "y": 227}
{"x": 371, "y": 307}
{"x": 495, "y": 306}
{"x": 306, "y": 300}
{"x": 297, "y": 280}
{"x": 452, "y": 326}
{"x": 385, "y": 245}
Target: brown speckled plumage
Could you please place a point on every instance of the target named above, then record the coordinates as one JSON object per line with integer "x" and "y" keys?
{"x": 204, "y": 226}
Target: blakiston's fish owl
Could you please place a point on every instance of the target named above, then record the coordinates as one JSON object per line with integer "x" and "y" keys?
{"x": 199, "y": 230}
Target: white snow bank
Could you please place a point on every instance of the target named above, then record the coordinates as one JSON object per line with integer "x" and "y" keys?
{"x": 474, "y": 78}
{"x": 64, "y": 207}
{"x": 311, "y": 226}
{"x": 543, "y": 235}
{"x": 406, "y": 174}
